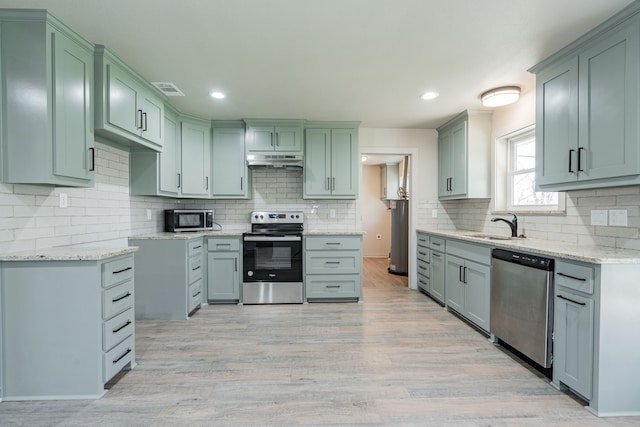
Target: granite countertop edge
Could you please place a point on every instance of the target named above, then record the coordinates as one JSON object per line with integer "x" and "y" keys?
{"x": 68, "y": 253}
{"x": 570, "y": 251}
{"x": 186, "y": 235}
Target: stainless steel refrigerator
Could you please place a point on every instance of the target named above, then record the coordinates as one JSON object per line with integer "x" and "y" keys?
{"x": 399, "y": 254}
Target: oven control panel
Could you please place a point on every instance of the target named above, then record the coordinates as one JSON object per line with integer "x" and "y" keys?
{"x": 276, "y": 217}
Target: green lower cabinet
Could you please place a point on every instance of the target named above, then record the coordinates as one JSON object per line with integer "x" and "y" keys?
{"x": 333, "y": 268}
{"x": 436, "y": 285}
{"x": 224, "y": 270}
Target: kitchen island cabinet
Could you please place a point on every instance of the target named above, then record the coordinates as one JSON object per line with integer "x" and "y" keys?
{"x": 68, "y": 322}
{"x": 333, "y": 267}
{"x": 587, "y": 107}
{"x": 169, "y": 275}
{"x": 47, "y": 101}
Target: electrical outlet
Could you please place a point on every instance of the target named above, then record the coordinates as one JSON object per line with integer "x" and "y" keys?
{"x": 64, "y": 200}
{"x": 434, "y": 213}
{"x": 149, "y": 215}
{"x": 332, "y": 213}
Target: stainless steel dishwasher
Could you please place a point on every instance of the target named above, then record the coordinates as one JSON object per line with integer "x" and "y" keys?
{"x": 522, "y": 303}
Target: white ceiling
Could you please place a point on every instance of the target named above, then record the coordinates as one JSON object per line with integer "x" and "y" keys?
{"x": 355, "y": 60}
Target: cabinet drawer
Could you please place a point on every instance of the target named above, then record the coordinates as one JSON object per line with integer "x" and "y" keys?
{"x": 115, "y": 359}
{"x": 195, "y": 269}
{"x": 478, "y": 253}
{"x": 223, "y": 244}
{"x": 195, "y": 295}
{"x": 117, "y": 299}
{"x": 194, "y": 247}
{"x": 422, "y": 240}
{"x": 423, "y": 253}
{"x": 423, "y": 268}
{"x": 117, "y": 329}
{"x": 424, "y": 282}
{"x": 117, "y": 271}
{"x": 574, "y": 276}
{"x": 333, "y": 243}
{"x": 437, "y": 244}
{"x": 344, "y": 262}
{"x": 333, "y": 286}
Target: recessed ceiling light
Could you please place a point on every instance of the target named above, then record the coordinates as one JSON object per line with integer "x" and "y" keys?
{"x": 430, "y": 95}
{"x": 363, "y": 158}
{"x": 217, "y": 95}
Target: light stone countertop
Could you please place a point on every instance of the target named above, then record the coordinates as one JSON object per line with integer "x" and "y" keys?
{"x": 550, "y": 248}
{"x": 68, "y": 253}
{"x": 186, "y": 235}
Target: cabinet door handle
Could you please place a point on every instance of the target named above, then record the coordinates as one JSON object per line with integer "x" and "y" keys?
{"x": 271, "y": 136}
{"x": 328, "y": 183}
{"x": 144, "y": 128}
{"x": 93, "y": 159}
{"x": 122, "y": 356}
{"x": 570, "y": 160}
{"x": 570, "y": 300}
{"x": 464, "y": 275}
{"x": 127, "y": 295}
{"x": 139, "y": 124}
{"x": 241, "y": 184}
{"x": 122, "y": 271}
{"x": 333, "y": 184}
{"x": 277, "y": 140}
{"x": 179, "y": 183}
{"x": 572, "y": 277}
{"x": 116, "y": 330}
{"x": 580, "y": 150}
{"x": 460, "y": 274}
{"x": 206, "y": 182}
{"x": 235, "y": 264}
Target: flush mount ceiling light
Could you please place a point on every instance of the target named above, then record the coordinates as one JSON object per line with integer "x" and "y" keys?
{"x": 427, "y": 96}
{"x": 500, "y": 96}
{"x": 217, "y": 95}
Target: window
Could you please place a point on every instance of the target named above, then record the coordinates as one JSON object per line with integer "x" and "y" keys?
{"x": 515, "y": 189}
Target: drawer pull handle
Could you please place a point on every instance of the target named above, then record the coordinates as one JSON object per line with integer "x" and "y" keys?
{"x": 435, "y": 244}
{"x": 570, "y": 300}
{"x": 572, "y": 277}
{"x": 422, "y": 267}
{"x": 333, "y": 243}
{"x": 221, "y": 245}
{"x": 127, "y": 323}
{"x": 435, "y": 255}
{"x": 336, "y": 263}
{"x": 422, "y": 253}
{"x": 197, "y": 247}
{"x": 123, "y": 270}
{"x": 196, "y": 268}
{"x": 333, "y": 286}
{"x": 127, "y": 295}
{"x": 122, "y": 356}
{"x": 196, "y": 294}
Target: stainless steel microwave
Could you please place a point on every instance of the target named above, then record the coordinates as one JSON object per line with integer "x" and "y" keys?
{"x": 179, "y": 220}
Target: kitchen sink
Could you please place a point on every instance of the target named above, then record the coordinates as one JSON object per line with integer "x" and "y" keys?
{"x": 491, "y": 236}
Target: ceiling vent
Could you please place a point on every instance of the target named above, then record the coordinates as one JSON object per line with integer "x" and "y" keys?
{"x": 168, "y": 89}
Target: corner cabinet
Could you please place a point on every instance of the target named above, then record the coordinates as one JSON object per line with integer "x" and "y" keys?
{"x": 169, "y": 277}
{"x": 68, "y": 326}
{"x": 333, "y": 268}
{"x": 47, "y": 101}
{"x": 331, "y": 163}
{"x": 230, "y": 175}
{"x": 224, "y": 269}
{"x": 274, "y": 137}
{"x": 464, "y": 157}
{"x": 128, "y": 108}
{"x": 587, "y": 108}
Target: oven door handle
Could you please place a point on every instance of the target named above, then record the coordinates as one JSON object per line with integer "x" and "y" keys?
{"x": 272, "y": 238}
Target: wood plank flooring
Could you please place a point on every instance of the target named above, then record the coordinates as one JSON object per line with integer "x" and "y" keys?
{"x": 397, "y": 359}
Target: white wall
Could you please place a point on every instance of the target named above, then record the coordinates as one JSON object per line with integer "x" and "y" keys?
{"x": 376, "y": 219}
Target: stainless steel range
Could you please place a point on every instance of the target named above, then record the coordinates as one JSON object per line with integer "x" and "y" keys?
{"x": 272, "y": 259}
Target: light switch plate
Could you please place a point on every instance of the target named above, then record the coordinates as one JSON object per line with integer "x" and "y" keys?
{"x": 618, "y": 217}
{"x": 64, "y": 200}
{"x": 599, "y": 217}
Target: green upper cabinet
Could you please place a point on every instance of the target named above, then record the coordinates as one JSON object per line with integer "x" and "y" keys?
{"x": 128, "y": 109}
{"x": 277, "y": 137}
{"x": 158, "y": 174}
{"x": 47, "y": 109}
{"x": 230, "y": 175}
{"x": 587, "y": 110}
{"x": 196, "y": 158}
{"x": 331, "y": 162}
{"x": 464, "y": 163}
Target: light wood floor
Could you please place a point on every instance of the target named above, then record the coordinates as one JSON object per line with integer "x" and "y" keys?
{"x": 397, "y": 359}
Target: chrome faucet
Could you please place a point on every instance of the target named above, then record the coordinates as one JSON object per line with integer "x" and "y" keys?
{"x": 513, "y": 224}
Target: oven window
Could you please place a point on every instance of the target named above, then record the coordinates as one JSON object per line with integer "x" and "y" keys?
{"x": 189, "y": 220}
{"x": 273, "y": 258}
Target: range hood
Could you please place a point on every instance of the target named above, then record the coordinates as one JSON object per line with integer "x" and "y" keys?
{"x": 293, "y": 161}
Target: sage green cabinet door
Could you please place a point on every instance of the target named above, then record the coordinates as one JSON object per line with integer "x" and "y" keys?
{"x": 557, "y": 123}
{"x": 73, "y": 155}
{"x": 122, "y": 102}
{"x": 171, "y": 157}
{"x": 444, "y": 163}
{"x": 454, "y": 284}
{"x": 458, "y": 183}
{"x": 608, "y": 114}
{"x": 317, "y": 164}
{"x": 223, "y": 276}
{"x": 151, "y": 126}
{"x": 196, "y": 159}
{"x": 344, "y": 163}
{"x": 288, "y": 138}
{"x": 274, "y": 138}
{"x": 229, "y": 167}
{"x": 261, "y": 138}
{"x": 573, "y": 341}
{"x": 437, "y": 285}
{"x": 477, "y": 278}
